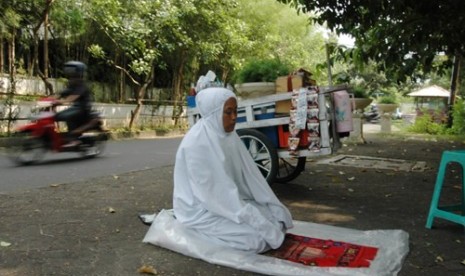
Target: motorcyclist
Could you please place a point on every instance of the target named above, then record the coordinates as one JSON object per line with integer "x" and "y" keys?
{"x": 78, "y": 95}
{"x": 372, "y": 114}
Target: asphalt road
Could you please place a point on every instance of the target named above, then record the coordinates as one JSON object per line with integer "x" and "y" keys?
{"x": 91, "y": 227}
{"x": 119, "y": 157}
{"x": 58, "y": 168}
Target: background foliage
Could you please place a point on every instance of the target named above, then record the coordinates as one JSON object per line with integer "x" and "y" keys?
{"x": 135, "y": 46}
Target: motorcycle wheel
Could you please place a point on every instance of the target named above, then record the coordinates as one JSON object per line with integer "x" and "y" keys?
{"x": 94, "y": 144}
{"x": 25, "y": 149}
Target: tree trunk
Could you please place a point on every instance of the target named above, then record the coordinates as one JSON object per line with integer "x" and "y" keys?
{"x": 122, "y": 87}
{"x": 135, "y": 115}
{"x": 12, "y": 88}
{"x": 140, "y": 95}
{"x": 454, "y": 86}
{"x": 48, "y": 85}
{"x": 46, "y": 60}
{"x": 2, "y": 62}
{"x": 178, "y": 85}
{"x": 43, "y": 75}
{"x": 11, "y": 60}
{"x": 177, "y": 82}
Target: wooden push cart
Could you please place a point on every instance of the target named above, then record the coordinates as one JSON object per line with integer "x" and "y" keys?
{"x": 265, "y": 133}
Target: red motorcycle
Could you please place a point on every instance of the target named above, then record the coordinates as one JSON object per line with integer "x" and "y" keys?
{"x": 30, "y": 142}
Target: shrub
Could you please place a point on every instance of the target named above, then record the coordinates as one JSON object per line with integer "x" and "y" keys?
{"x": 359, "y": 92}
{"x": 425, "y": 124}
{"x": 262, "y": 70}
{"x": 387, "y": 99}
{"x": 458, "y": 115}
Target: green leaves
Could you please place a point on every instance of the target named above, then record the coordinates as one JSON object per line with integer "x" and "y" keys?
{"x": 263, "y": 70}
{"x": 402, "y": 35}
{"x": 96, "y": 51}
{"x": 132, "y": 34}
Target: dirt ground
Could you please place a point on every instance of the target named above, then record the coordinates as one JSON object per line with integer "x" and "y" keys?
{"x": 92, "y": 228}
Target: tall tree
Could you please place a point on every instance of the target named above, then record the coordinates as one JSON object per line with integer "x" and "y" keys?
{"x": 71, "y": 31}
{"x": 136, "y": 34}
{"x": 10, "y": 23}
{"x": 199, "y": 32}
{"x": 43, "y": 21}
{"x": 275, "y": 30}
{"x": 404, "y": 36}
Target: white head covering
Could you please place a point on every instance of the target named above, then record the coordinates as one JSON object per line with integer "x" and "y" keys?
{"x": 218, "y": 189}
{"x": 210, "y": 103}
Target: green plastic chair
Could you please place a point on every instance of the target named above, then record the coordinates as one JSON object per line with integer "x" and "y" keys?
{"x": 454, "y": 213}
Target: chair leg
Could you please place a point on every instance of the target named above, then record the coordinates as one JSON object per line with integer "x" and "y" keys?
{"x": 437, "y": 192}
{"x": 463, "y": 191}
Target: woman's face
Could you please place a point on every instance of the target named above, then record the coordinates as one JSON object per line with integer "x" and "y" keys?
{"x": 229, "y": 114}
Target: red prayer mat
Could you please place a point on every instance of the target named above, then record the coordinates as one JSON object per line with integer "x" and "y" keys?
{"x": 324, "y": 253}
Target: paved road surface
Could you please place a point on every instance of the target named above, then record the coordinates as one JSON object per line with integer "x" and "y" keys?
{"x": 119, "y": 157}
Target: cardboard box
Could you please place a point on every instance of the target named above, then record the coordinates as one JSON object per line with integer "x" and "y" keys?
{"x": 286, "y": 84}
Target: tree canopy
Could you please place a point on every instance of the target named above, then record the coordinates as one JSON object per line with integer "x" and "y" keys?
{"x": 199, "y": 34}
{"x": 134, "y": 46}
{"x": 404, "y": 37}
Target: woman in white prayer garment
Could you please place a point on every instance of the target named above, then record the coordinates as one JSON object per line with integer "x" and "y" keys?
{"x": 219, "y": 191}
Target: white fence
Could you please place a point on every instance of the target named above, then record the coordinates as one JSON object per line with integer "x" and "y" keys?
{"x": 116, "y": 115}
{"x": 29, "y": 85}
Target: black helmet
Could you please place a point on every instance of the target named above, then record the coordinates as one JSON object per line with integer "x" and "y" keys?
{"x": 75, "y": 69}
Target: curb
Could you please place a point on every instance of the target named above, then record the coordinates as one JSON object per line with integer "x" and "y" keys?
{"x": 149, "y": 134}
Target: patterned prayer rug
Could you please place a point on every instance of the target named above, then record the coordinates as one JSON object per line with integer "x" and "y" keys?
{"x": 324, "y": 253}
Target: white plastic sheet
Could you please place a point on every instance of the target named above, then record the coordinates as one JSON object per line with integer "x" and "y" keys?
{"x": 392, "y": 246}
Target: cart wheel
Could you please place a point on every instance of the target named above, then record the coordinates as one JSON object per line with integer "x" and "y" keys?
{"x": 290, "y": 168}
{"x": 262, "y": 151}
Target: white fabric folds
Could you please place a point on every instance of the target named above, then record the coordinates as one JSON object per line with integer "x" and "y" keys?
{"x": 218, "y": 189}
{"x": 167, "y": 232}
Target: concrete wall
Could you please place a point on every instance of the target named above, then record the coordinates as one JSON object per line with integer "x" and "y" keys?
{"x": 102, "y": 92}
{"x": 28, "y": 85}
{"x": 119, "y": 115}
{"x": 116, "y": 115}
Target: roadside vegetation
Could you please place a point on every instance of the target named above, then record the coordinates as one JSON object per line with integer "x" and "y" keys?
{"x": 152, "y": 52}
